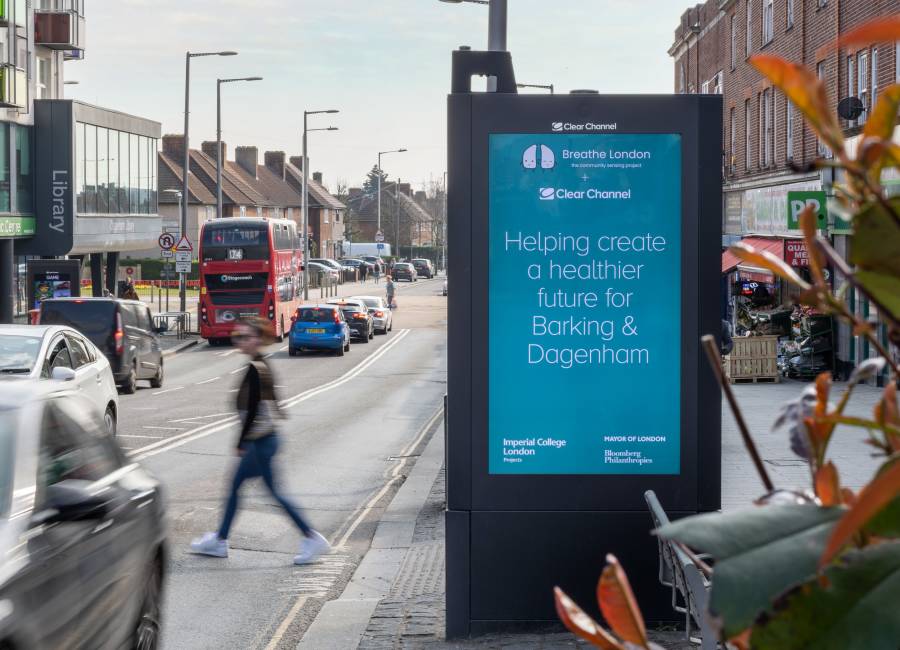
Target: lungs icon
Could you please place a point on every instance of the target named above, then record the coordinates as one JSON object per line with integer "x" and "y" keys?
{"x": 529, "y": 158}
{"x": 548, "y": 160}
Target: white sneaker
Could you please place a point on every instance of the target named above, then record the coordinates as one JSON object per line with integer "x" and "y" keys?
{"x": 311, "y": 548}
{"x": 210, "y": 544}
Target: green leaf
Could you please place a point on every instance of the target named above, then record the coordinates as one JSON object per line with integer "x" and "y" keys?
{"x": 887, "y": 522}
{"x": 876, "y": 239}
{"x": 885, "y": 289}
{"x": 857, "y": 610}
{"x": 759, "y": 554}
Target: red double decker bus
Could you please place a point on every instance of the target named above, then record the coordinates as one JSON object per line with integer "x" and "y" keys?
{"x": 248, "y": 267}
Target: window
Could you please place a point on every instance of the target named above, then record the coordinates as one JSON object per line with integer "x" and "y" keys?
{"x": 704, "y": 89}
{"x": 821, "y": 147}
{"x": 681, "y": 78}
{"x": 124, "y": 174}
{"x": 862, "y": 82}
{"x": 774, "y": 139}
{"x": 24, "y": 171}
{"x": 789, "y": 129}
{"x": 822, "y": 3}
{"x": 747, "y": 134}
{"x": 43, "y": 78}
{"x": 760, "y": 130}
{"x": 78, "y": 351}
{"x": 733, "y": 41}
{"x": 90, "y": 169}
{"x": 134, "y": 184}
{"x": 113, "y": 171}
{"x": 717, "y": 83}
{"x": 79, "y": 167}
{"x": 874, "y": 76}
{"x": 851, "y": 83}
{"x": 790, "y": 13}
{"x": 102, "y": 170}
{"x": 57, "y": 358}
{"x": 768, "y": 21}
{"x": 731, "y": 151}
{"x": 749, "y": 35}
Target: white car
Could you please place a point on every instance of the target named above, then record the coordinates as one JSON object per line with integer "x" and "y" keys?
{"x": 63, "y": 354}
{"x": 381, "y": 313}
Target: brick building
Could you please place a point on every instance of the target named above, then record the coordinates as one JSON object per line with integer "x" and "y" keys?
{"x": 405, "y": 219}
{"x": 765, "y": 140}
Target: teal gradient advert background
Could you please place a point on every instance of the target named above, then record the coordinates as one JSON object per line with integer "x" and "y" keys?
{"x": 585, "y": 305}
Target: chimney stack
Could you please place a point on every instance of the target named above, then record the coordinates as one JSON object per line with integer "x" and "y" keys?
{"x": 405, "y": 188}
{"x": 297, "y": 161}
{"x": 209, "y": 148}
{"x": 421, "y": 197}
{"x": 247, "y": 158}
{"x": 317, "y": 177}
{"x": 173, "y": 145}
{"x": 274, "y": 161}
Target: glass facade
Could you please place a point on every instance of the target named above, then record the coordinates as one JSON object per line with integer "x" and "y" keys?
{"x": 24, "y": 170}
{"x": 116, "y": 171}
{"x": 5, "y": 186}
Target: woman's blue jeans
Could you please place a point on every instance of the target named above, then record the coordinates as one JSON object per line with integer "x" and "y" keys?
{"x": 257, "y": 461}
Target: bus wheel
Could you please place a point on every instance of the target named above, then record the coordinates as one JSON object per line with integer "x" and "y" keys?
{"x": 283, "y": 333}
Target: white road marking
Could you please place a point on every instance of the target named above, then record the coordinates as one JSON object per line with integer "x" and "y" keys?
{"x": 176, "y": 441}
{"x": 395, "y": 475}
{"x": 227, "y": 353}
{"x": 236, "y": 370}
{"x": 148, "y": 426}
{"x": 134, "y": 435}
{"x": 202, "y": 417}
{"x": 168, "y": 390}
{"x": 207, "y": 381}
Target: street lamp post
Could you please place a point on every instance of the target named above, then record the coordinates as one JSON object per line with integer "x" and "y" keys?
{"x": 305, "y": 197}
{"x": 380, "y": 154}
{"x": 541, "y": 86}
{"x": 187, "y": 163}
{"x": 219, "y": 83}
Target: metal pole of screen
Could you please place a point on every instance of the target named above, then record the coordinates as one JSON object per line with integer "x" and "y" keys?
{"x": 496, "y": 34}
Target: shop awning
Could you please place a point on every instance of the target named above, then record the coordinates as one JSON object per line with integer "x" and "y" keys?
{"x": 774, "y": 245}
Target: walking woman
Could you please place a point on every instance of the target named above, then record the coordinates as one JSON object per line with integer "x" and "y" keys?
{"x": 257, "y": 445}
{"x": 390, "y": 288}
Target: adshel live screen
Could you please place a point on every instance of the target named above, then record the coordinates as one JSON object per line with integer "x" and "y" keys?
{"x": 585, "y": 304}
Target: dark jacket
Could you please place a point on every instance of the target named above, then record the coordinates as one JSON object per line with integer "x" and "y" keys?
{"x": 257, "y": 403}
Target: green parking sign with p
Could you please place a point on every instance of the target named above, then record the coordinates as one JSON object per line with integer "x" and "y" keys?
{"x": 797, "y": 202}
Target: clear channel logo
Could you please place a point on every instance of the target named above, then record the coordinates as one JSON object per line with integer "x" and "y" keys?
{"x": 547, "y": 193}
{"x": 530, "y": 157}
{"x": 585, "y": 126}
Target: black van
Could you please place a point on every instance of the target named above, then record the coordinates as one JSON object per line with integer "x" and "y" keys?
{"x": 122, "y": 329}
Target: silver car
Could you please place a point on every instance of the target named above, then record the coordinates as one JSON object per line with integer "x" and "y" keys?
{"x": 64, "y": 354}
{"x": 381, "y": 314}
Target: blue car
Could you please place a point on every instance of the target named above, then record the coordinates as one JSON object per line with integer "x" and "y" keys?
{"x": 319, "y": 327}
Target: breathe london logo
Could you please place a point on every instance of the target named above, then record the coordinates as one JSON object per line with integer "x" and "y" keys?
{"x": 530, "y": 157}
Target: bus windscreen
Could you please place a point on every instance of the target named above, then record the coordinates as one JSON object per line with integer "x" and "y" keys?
{"x": 235, "y": 242}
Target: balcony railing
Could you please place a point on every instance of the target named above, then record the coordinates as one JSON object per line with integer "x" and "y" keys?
{"x": 13, "y": 86}
{"x": 60, "y": 25}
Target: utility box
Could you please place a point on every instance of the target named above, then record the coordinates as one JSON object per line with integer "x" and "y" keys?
{"x": 585, "y": 243}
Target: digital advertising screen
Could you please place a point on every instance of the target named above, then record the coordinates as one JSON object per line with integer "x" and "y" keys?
{"x": 584, "y": 329}
{"x": 51, "y": 284}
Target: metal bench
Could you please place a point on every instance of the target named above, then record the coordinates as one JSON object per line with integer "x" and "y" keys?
{"x": 690, "y": 588}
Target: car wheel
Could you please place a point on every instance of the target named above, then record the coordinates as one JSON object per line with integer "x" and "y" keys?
{"x": 364, "y": 338}
{"x": 347, "y": 347}
{"x": 130, "y": 384}
{"x": 291, "y": 351}
{"x": 146, "y": 633}
{"x": 340, "y": 351}
{"x": 109, "y": 419}
{"x": 372, "y": 333}
{"x": 157, "y": 381}
{"x": 280, "y": 336}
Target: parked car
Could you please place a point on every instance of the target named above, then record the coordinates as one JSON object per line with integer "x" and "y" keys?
{"x": 326, "y": 271}
{"x": 444, "y": 290}
{"x": 382, "y": 316}
{"x": 373, "y": 261}
{"x": 424, "y": 267}
{"x": 319, "y": 327}
{"x": 405, "y": 271}
{"x": 361, "y": 322}
{"x": 122, "y": 329}
{"x": 332, "y": 264}
{"x": 83, "y": 548}
{"x": 43, "y": 352}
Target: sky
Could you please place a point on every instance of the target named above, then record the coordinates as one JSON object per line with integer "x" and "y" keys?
{"x": 385, "y": 64}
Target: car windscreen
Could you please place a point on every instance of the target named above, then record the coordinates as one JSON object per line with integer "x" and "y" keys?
{"x": 372, "y": 303}
{"x": 402, "y": 266}
{"x": 315, "y": 315}
{"x": 18, "y": 354}
{"x": 93, "y": 318}
{"x": 235, "y": 242}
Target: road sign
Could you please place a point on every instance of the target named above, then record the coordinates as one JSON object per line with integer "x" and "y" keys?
{"x": 182, "y": 256}
{"x": 379, "y": 236}
{"x": 167, "y": 253}
{"x": 183, "y": 267}
{"x": 129, "y": 270}
{"x": 380, "y": 246}
{"x": 166, "y": 240}
{"x": 184, "y": 245}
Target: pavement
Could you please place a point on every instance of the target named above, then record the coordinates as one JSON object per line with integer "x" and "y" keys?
{"x": 397, "y": 600}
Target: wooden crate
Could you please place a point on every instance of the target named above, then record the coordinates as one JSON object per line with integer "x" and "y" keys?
{"x": 754, "y": 347}
{"x": 753, "y": 357}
